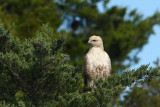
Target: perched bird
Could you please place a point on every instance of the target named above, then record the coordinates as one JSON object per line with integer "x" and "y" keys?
{"x": 97, "y": 63}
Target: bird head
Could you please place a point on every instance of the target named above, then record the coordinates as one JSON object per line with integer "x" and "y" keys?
{"x": 95, "y": 41}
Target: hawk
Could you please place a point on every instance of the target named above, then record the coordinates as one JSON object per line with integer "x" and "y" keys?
{"x": 97, "y": 64}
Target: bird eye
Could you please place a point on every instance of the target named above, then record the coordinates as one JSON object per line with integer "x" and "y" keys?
{"x": 94, "y": 40}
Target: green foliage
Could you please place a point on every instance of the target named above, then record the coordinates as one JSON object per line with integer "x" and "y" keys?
{"x": 148, "y": 95}
{"x": 20, "y": 104}
{"x": 29, "y": 15}
{"x": 105, "y": 92}
{"x": 37, "y": 72}
{"x": 143, "y": 95}
{"x": 3, "y": 104}
{"x": 37, "y": 67}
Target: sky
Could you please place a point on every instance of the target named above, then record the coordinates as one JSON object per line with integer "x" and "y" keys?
{"x": 151, "y": 51}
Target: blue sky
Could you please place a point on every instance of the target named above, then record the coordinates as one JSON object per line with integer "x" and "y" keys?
{"x": 150, "y": 51}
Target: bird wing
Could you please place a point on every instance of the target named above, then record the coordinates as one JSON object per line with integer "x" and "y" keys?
{"x": 85, "y": 69}
{"x": 108, "y": 61}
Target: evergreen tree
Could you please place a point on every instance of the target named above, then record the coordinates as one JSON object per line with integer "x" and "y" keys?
{"x": 29, "y": 15}
{"x": 143, "y": 95}
{"x": 37, "y": 68}
{"x": 37, "y": 73}
{"x": 147, "y": 95}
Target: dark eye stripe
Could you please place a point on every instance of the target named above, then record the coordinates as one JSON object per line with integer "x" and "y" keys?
{"x": 94, "y": 40}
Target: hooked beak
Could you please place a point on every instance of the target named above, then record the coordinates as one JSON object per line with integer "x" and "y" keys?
{"x": 89, "y": 42}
